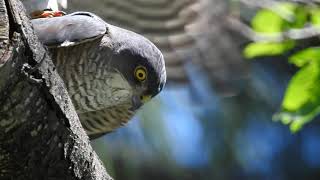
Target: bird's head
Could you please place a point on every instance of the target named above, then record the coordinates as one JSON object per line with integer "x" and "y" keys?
{"x": 140, "y": 63}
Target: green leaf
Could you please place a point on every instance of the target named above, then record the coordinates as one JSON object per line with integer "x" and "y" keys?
{"x": 273, "y": 21}
{"x": 282, "y": 17}
{"x": 253, "y": 50}
{"x": 303, "y": 57}
{"x": 267, "y": 21}
{"x": 315, "y": 16}
{"x": 302, "y": 97}
{"x": 300, "y": 17}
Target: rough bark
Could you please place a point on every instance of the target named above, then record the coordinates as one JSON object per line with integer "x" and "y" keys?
{"x": 40, "y": 134}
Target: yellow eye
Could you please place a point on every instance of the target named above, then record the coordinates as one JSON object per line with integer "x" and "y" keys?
{"x": 140, "y": 73}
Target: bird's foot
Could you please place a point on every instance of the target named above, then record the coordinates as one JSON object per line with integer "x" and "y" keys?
{"x": 46, "y": 13}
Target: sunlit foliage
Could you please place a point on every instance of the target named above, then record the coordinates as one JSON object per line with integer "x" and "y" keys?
{"x": 281, "y": 29}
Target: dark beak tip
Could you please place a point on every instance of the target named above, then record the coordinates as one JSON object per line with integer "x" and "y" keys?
{"x": 161, "y": 86}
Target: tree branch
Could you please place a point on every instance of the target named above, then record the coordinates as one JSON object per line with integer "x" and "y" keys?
{"x": 40, "y": 134}
{"x": 294, "y": 34}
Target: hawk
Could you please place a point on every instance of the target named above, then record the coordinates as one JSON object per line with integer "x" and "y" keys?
{"x": 109, "y": 72}
{"x": 191, "y": 34}
{"x": 194, "y": 36}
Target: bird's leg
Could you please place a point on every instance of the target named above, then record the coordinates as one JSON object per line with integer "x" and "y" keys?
{"x": 46, "y": 13}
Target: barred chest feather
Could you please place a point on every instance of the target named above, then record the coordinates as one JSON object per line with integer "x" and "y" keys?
{"x": 94, "y": 87}
{"x": 103, "y": 121}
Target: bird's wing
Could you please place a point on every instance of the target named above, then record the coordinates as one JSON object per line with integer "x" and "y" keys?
{"x": 70, "y": 29}
{"x": 188, "y": 32}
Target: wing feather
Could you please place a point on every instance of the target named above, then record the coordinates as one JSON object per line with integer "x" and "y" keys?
{"x": 70, "y": 29}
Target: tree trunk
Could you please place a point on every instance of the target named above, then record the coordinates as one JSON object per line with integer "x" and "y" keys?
{"x": 40, "y": 134}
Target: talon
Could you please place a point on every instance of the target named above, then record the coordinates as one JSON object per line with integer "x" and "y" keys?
{"x": 59, "y": 13}
{"x": 46, "y": 13}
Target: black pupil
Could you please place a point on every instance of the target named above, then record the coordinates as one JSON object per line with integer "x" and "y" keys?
{"x": 140, "y": 75}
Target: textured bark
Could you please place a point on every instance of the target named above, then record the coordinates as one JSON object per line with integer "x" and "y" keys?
{"x": 40, "y": 134}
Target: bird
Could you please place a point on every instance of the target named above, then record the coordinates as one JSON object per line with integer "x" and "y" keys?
{"x": 109, "y": 72}
{"x": 190, "y": 33}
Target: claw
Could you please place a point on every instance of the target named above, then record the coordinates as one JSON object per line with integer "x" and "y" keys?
{"x": 46, "y": 13}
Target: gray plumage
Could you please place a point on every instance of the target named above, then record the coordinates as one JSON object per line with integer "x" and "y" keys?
{"x": 101, "y": 66}
{"x": 73, "y": 28}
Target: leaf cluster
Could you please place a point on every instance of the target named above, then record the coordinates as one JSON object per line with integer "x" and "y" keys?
{"x": 301, "y": 102}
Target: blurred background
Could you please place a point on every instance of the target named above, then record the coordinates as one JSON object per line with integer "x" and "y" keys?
{"x": 214, "y": 118}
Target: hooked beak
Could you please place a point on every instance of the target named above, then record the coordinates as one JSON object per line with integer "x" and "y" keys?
{"x": 138, "y": 101}
{"x": 145, "y": 98}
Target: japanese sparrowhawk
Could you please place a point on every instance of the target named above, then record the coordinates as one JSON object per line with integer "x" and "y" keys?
{"x": 109, "y": 72}
{"x": 191, "y": 34}
{"x": 196, "y": 37}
